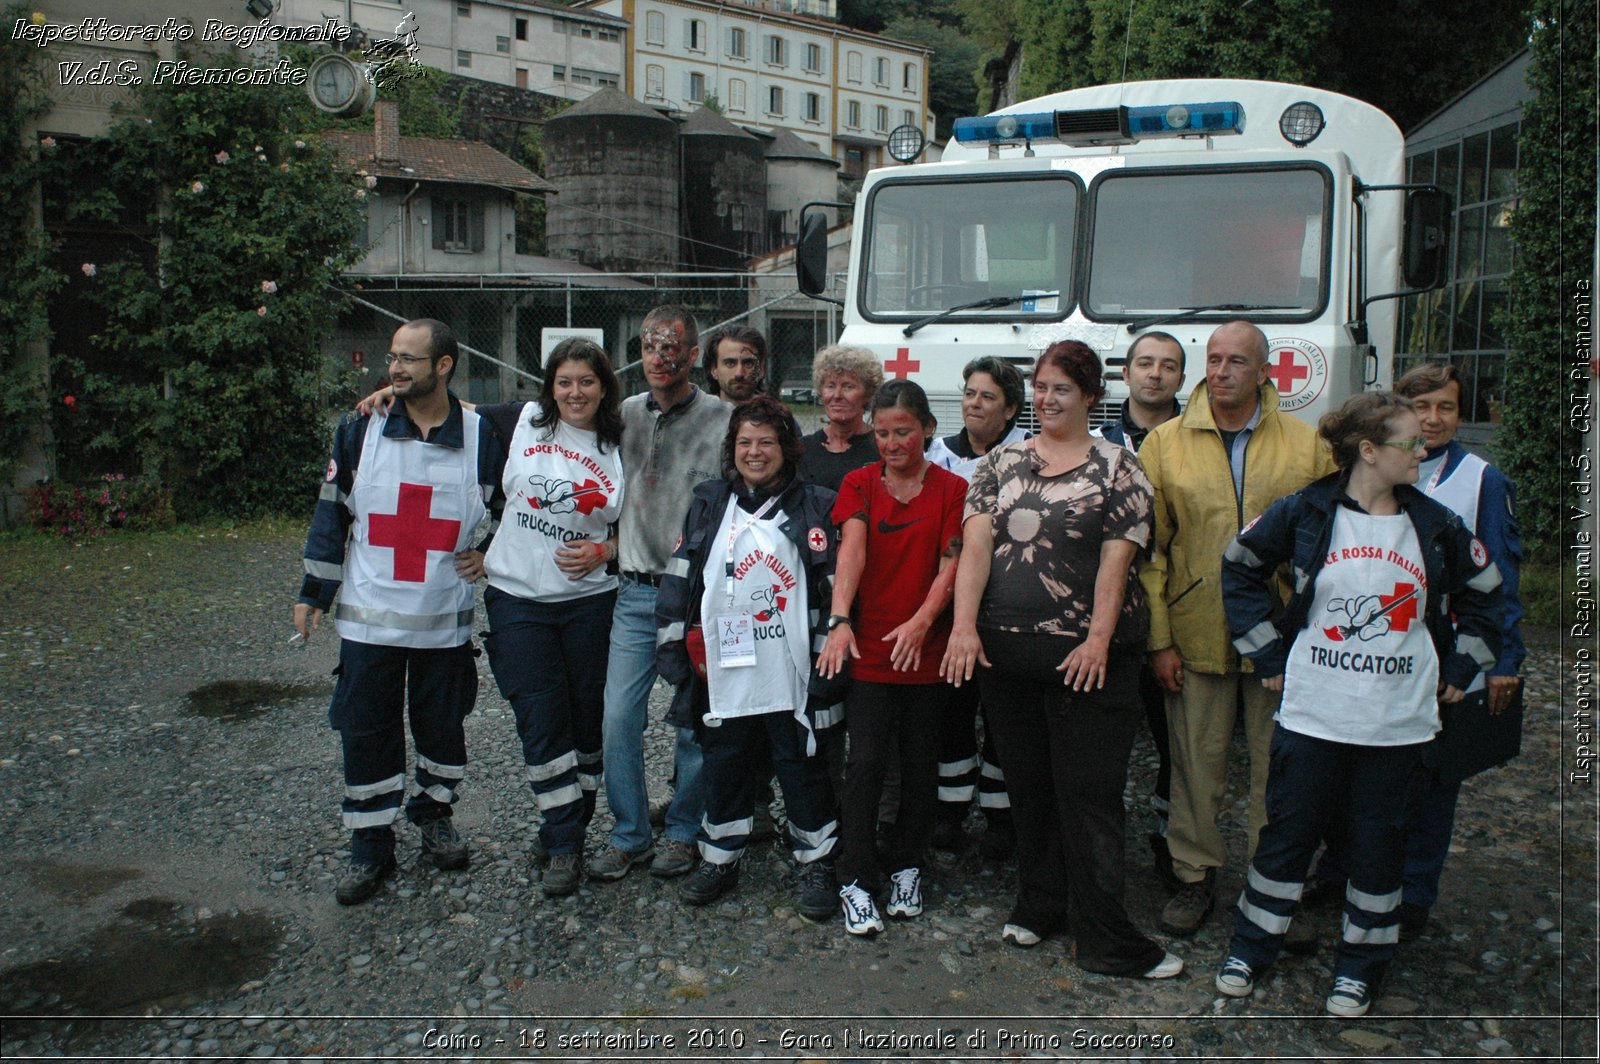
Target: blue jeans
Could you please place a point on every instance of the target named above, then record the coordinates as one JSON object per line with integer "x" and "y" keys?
{"x": 630, "y": 674}
{"x": 549, "y": 660}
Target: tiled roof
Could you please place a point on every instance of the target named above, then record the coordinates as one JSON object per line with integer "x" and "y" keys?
{"x": 454, "y": 162}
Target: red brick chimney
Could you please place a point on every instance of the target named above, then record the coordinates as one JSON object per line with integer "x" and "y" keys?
{"x": 386, "y": 131}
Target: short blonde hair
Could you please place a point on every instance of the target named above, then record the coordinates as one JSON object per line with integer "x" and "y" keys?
{"x": 858, "y": 361}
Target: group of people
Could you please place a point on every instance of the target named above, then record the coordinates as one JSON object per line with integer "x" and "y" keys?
{"x": 837, "y": 609}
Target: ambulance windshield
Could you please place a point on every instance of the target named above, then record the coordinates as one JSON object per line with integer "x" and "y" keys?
{"x": 934, "y": 245}
{"x": 1166, "y": 239}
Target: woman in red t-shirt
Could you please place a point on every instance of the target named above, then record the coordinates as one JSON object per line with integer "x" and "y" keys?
{"x": 900, "y": 527}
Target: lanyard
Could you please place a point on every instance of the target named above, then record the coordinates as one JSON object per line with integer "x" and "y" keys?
{"x": 1438, "y": 473}
{"x": 735, "y": 529}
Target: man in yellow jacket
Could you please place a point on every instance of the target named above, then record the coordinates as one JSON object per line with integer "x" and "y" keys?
{"x": 1229, "y": 456}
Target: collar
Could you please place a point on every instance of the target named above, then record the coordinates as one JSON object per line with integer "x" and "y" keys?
{"x": 399, "y": 426}
{"x": 1197, "y": 415}
{"x": 751, "y": 501}
{"x": 1131, "y": 426}
{"x": 651, "y": 404}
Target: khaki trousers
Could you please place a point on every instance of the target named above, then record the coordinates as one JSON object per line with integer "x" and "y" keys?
{"x": 1200, "y": 721}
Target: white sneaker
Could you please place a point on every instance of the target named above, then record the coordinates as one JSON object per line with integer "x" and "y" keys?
{"x": 860, "y": 911}
{"x": 905, "y": 893}
{"x": 1170, "y": 967}
{"x": 1018, "y": 935}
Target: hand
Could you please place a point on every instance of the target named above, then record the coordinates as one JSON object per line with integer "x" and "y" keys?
{"x": 307, "y": 619}
{"x": 964, "y": 651}
{"x": 1273, "y": 683}
{"x": 1502, "y": 689}
{"x": 1085, "y": 667}
{"x": 906, "y": 654}
{"x": 469, "y": 564}
{"x": 841, "y": 642}
{"x": 578, "y": 560}
{"x": 1450, "y": 694}
{"x": 379, "y": 401}
{"x": 1168, "y": 668}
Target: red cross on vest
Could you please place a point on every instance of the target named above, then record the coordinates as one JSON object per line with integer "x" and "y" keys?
{"x": 412, "y": 533}
{"x": 902, "y": 365}
{"x": 1401, "y": 616}
{"x": 1288, "y": 372}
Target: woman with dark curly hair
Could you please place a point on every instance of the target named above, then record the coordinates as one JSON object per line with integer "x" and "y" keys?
{"x": 739, "y": 614}
{"x": 1048, "y": 600}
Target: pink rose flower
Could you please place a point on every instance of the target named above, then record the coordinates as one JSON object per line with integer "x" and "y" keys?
{"x": 269, "y": 287}
{"x": 261, "y": 311}
{"x": 47, "y": 143}
{"x": 198, "y": 187}
{"x": 221, "y": 157}
{"x": 88, "y": 269}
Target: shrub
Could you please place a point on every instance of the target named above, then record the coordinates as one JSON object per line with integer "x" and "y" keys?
{"x": 78, "y": 511}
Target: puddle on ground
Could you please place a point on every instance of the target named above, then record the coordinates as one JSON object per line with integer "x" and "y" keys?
{"x": 156, "y": 953}
{"x": 244, "y": 699}
{"x": 77, "y": 883}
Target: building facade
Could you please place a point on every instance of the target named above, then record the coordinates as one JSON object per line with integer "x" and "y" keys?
{"x": 546, "y": 47}
{"x": 774, "y": 66}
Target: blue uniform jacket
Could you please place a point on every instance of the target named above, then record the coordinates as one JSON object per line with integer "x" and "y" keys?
{"x": 330, "y": 523}
{"x": 1497, "y": 527}
{"x": 1296, "y": 531}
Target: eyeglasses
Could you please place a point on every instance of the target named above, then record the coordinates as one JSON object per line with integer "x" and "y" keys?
{"x": 1410, "y": 443}
{"x": 405, "y": 360}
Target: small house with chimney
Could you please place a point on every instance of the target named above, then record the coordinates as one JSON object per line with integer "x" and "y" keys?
{"x": 436, "y": 206}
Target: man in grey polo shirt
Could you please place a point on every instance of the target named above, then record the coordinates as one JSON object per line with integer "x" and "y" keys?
{"x": 671, "y": 440}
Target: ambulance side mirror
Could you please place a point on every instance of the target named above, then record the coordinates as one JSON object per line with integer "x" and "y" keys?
{"x": 1427, "y": 244}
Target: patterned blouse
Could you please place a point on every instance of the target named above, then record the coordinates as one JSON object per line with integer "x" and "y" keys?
{"x": 1047, "y": 536}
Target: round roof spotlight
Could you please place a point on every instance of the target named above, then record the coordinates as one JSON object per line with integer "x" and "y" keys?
{"x": 906, "y": 143}
{"x": 1301, "y": 123}
{"x": 1006, "y": 127}
{"x": 1177, "y": 116}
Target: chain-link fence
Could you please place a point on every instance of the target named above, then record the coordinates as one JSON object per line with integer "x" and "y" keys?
{"x": 505, "y": 322}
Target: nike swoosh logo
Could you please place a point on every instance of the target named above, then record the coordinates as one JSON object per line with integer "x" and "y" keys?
{"x": 887, "y": 529}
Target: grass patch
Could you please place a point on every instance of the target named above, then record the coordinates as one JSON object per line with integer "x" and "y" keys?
{"x": 1541, "y": 590}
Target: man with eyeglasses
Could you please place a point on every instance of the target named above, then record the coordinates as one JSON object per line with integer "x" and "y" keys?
{"x": 392, "y": 539}
{"x": 671, "y": 441}
{"x": 1214, "y": 468}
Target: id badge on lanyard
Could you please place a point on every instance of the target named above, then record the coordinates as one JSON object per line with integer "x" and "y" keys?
{"x": 736, "y": 630}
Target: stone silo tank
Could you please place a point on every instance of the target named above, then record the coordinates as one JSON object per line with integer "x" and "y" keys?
{"x": 797, "y": 173}
{"x": 724, "y": 193}
{"x": 615, "y": 164}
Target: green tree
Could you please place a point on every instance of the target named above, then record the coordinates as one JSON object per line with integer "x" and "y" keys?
{"x": 1555, "y": 231}
{"x": 951, "y": 91}
{"x": 26, "y": 277}
{"x": 210, "y": 364}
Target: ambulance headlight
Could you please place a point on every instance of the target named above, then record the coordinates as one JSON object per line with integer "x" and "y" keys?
{"x": 1301, "y": 123}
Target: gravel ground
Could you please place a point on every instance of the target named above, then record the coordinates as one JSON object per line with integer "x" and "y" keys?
{"x": 173, "y": 855}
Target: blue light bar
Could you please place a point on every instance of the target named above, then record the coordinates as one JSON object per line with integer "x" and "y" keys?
{"x": 1185, "y": 120}
{"x": 995, "y": 128}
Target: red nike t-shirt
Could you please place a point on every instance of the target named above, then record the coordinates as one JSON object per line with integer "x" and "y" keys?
{"x": 904, "y": 544}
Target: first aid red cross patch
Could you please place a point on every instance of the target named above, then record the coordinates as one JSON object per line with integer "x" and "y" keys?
{"x": 817, "y": 539}
{"x": 1480, "y": 556}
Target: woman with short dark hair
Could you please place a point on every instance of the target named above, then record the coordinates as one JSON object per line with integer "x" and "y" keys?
{"x": 738, "y": 614}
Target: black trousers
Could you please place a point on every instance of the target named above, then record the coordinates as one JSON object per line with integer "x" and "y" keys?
{"x": 885, "y": 719}
{"x": 1066, "y": 758}
{"x": 729, "y": 749}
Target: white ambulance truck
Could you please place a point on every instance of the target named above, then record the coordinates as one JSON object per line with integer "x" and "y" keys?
{"x": 1104, "y": 212}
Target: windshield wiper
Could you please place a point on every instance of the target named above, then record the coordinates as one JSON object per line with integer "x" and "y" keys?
{"x": 1184, "y": 312}
{"x": 977, "y": 304}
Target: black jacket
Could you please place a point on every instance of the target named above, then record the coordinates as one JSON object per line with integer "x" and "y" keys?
{"x": 808, "y": 523}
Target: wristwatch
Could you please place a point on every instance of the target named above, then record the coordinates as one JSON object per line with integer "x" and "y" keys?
{"x": 836, "y": 620}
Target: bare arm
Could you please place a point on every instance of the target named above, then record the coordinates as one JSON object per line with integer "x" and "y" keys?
{"x": 972, "y": 577}
{"x": 846, "y": 580}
